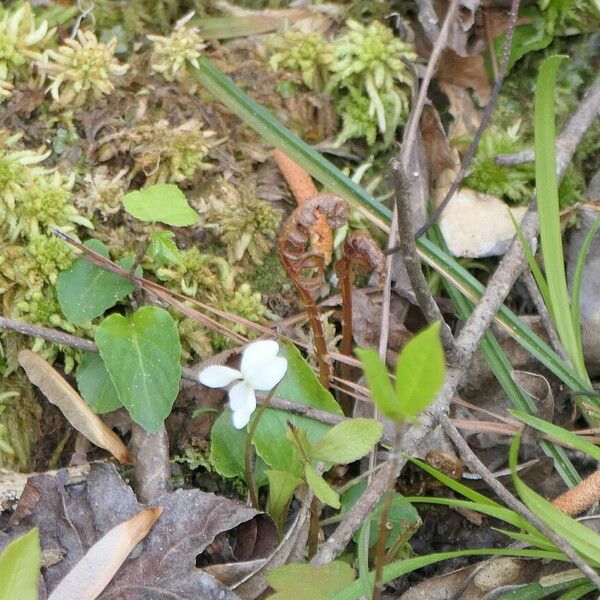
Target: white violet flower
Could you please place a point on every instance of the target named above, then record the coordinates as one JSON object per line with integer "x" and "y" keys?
{"x": 261, "y": 369}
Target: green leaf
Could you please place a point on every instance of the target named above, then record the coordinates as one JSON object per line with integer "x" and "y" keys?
{"x": 85, "y": 290}
{"x": 95, "y": 385}
{"x": 548, "y": 208}
{"x": 322, "y": 490}
{"x": 378, "y": 379}
{"x": 20, "y": 568}
{"x": 163, "y": 203}
{"x": 163, "y": 249}
{"x": 141, "y": 353}
{"x": 301, "y": 385}
{"x": 227, "y": 450}
{"x": 420, "y": 371}
{"x": 281, "y": 489}
{"x": 310, "y": 582}
{"x": 347, "y": 441}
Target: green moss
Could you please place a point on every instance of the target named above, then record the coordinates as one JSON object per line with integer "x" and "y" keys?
{"x": 515, "y": 183}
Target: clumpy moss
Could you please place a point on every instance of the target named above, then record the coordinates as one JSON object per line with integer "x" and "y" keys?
{"x": 363, "y": 69}
{"x": 244, "y": 223}
{"x": 20, "y": 425}
{"x": 514, "y": 183}
{"x": 82, "y": 69}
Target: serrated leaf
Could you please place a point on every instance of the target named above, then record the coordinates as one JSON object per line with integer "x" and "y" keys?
{"x": 163, "y": 203}
{"x": 420, "y": 371}
{"x": 310, "y": 582}
{"x": 380, "y": 385}
{"x": 141, "y": 353}
{"x": 85, "y": 291}
{"x": 20, "y": 568}
{"x": 322, "y": 490}
{"x": 95, "y": 385}
{"x": 347, "y": 441}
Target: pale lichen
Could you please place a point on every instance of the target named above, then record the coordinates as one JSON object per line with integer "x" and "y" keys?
{"x": 82, "y": 69}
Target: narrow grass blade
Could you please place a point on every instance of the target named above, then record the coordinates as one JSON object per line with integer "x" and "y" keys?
{"x": 548, "y": 208}
{"x": 578, "y": 279}
{"x": 402, "y": 567}
{"x": 535, "y": 269}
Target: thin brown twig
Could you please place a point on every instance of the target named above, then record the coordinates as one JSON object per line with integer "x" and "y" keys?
{"x": 476, "y": 466}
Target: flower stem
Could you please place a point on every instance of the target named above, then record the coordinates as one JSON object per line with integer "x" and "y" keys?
{"x": 249, "y": 455}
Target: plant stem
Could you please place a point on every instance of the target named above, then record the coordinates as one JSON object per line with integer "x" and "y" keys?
{"x": 249, "y": 454}
{"x": 383, "y": 529}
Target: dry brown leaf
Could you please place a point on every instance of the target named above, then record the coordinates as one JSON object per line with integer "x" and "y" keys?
{"x": 71, "y": 404}
{"x": 102, "y": 561}
{"x": 465, "y": 71}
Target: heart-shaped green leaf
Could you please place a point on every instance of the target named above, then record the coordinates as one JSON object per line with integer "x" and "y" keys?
{"x": 95, "y": 385}
{"x": 141, "y": 353}
{"x": 85, "y": 290}
{"x": 163, "y": 203}
{"x": 322, "y": 490}
{"x": 379, "y": 382}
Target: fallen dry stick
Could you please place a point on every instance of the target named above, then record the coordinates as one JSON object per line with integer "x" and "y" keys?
{"x": 303, "y": 188}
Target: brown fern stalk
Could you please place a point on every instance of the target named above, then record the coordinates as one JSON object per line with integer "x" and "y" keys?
{"x": 306, "y": 268}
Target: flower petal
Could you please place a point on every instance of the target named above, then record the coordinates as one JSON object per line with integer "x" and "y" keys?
{"x": 268, "y": 374}
{"x": 242, "y": 398}
{"x": 218, "y": 376}
{"x": 257, "y": 353}
{"x": 240, "y": 418}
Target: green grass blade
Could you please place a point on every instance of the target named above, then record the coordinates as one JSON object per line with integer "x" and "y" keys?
{"x": 548, "y": 209}
{"x": 535, "y": 269}
{"x": 536, "y": 591}
{"x": 363, "y": 558}
{"x": 402, "y": 567}
{"x": 578, "y": 279}
{"x": 578, "y": 592}
{"x": 561, "y": 434}
{"x": 583, "y": 540}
